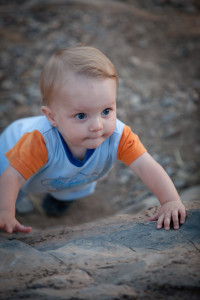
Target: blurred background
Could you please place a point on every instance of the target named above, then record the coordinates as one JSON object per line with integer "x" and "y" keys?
{"x": 155, "y": 46}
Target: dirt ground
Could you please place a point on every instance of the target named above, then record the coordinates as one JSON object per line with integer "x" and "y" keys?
{"x": 155, "y": 47}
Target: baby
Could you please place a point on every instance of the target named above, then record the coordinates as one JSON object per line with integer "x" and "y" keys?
{"x": 64, "y": 152}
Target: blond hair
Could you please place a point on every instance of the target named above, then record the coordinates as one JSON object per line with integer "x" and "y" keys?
{"x": 77, "y": 60}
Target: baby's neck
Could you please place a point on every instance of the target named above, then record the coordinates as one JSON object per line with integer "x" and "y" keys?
{"x": 78, "y": 153}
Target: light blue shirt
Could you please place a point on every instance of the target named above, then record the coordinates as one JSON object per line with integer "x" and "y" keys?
{"x": 60, "y": 177}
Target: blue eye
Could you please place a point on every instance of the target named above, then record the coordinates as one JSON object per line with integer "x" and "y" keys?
{"x": 80, "y": 116}
{"x": 106, "y": 111}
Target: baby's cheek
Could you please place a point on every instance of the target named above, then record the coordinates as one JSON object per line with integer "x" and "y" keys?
{"x": 107, "y": 134}
{"x": 112, "y": 128}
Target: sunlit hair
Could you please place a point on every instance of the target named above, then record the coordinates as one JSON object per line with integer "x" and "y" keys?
{"x": 78, "y": 60}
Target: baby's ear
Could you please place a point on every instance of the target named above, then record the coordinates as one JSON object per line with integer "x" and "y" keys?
{"x": 48, "y": 112}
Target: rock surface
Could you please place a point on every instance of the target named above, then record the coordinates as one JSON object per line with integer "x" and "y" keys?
{"x": 120, "y": 257}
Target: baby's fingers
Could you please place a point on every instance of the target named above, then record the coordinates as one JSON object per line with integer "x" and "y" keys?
{"x": 173, "y": 217}
{"x": 152, "y": 218}
{"x": 22, "y": 228}
{"x": 167, "y": 221}
{"x": 182, "y": 214}
{"x": 8, "y": 228}
{"x": 11, "y": 227}
{"x": 160, "y": 221}
{"x": 178, "y": 215}
{"x": 175, "y": 220}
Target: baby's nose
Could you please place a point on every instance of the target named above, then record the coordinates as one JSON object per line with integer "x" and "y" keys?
{"x": 96, "y": 124}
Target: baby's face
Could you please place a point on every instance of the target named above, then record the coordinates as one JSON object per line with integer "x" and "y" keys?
{"x": 85, "y": 112}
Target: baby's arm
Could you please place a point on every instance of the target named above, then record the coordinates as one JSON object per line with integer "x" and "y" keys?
{"x": 157, "y": 180}
{"x": 10, "y": 183}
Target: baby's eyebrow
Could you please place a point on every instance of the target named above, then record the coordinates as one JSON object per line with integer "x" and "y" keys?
{"x": 82, "y": 109}
{"x": 110, "y": 103}
{"x": 79, "y": 109}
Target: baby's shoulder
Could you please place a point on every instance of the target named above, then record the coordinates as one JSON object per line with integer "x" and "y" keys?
{"x": 30, "y": 124}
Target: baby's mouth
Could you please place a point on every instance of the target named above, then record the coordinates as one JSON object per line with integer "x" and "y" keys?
{"x": 95, "y": 137}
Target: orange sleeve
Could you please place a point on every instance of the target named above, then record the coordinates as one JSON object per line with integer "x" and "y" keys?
{"x": 29, "y": 154}
{"x": 130, "y": 147}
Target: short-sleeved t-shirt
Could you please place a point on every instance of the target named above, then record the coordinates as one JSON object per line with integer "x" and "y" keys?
{"x": 39, "y": 155}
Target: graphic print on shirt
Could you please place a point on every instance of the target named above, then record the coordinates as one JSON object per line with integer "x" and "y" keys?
{"x": 67, "y": 183}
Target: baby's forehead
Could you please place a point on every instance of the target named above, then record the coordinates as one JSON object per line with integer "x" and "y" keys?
{"x": 75, "y": 80}
{"x": 78, "y": 89}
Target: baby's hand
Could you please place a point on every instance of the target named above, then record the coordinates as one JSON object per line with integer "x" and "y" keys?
{"x": 9, "y": 224}
{"x": 171, "y": 211}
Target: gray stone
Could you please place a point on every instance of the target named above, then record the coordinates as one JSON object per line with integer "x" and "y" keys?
{"x": 116, "y": 258}
{"x": 168, "y": 101}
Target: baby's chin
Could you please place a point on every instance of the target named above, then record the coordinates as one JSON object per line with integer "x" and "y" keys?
{"x": 94, "y": 143}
